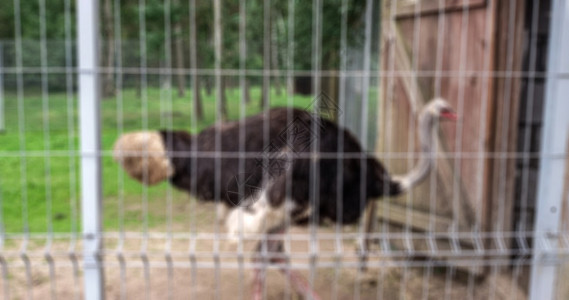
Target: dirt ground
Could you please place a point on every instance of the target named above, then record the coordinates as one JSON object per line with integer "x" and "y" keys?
{"x": 150, "y": 277}
{"x": 374, "y": 284}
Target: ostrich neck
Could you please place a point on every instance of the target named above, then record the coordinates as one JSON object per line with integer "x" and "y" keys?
{"x": 426, "y": 159}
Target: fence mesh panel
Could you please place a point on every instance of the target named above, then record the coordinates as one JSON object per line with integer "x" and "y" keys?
{"x": 363, "y": 191}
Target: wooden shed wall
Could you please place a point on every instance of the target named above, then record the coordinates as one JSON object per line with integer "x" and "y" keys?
{"x": 453, "y": 52}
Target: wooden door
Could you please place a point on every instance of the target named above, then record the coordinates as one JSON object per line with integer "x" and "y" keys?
{"x": 450, "y": 49}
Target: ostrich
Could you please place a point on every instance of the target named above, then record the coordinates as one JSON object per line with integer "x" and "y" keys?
{"x": 154, "y": 156}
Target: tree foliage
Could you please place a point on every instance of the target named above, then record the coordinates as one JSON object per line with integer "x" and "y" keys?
{"x": 155, "y": 11}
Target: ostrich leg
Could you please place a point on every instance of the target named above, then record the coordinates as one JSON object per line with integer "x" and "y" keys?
{"x": 365, "y": 245}
{"x": 275, "y": 250}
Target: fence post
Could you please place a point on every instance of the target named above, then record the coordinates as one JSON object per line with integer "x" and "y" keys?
{"x": 2, "y": 119}
{"x": 553, "y": 148}
{"x": 89, "y": 96}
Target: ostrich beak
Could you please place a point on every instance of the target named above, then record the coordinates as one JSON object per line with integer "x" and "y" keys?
{"x": 449, "y": 115}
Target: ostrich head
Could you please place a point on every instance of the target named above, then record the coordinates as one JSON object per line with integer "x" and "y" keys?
{"x": 441, "y": 109}
{"x": 436, "y": 110}
{"x": 143, "y": 156}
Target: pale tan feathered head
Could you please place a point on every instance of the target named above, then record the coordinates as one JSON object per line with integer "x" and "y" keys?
{"x": 143, "y": 156}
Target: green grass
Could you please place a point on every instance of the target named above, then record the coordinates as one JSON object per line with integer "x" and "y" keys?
{"x": 29, "y": 178}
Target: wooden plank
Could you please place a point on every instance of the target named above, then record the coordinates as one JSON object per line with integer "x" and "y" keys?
{"x": 398, "y": 215}
{"x": 408, "y": 9}
{"x": 421, "y": 221}
{"x": 490, "y": 113}
{"x": 505, "y": 127}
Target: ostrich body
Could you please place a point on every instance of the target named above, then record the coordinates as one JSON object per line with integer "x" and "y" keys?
{"x": 272, "y": 203}
{"x": 273, "y": 206}
{"x": 263, "y": 203}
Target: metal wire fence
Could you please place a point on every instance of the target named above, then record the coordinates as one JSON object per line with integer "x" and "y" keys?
{"x": 488, "y": 222}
